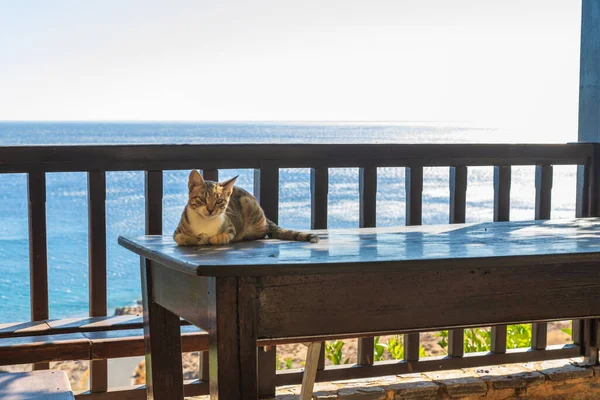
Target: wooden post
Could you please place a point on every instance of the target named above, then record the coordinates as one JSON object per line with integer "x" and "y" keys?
{"x": 97, "y": 267}
{"x": 589, "y": 131}
{"x": 38, "y": 253}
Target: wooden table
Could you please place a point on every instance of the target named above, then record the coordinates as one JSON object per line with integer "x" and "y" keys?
{"x": 357, "y": 282}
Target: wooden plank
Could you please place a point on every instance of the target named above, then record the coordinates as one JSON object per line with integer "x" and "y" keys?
{"x": 162, "y": 340}
{"x": 138, "y": 392}
{"x": 502, "y": 180}
{"x": 368, "y": 196}
{"x": 186, "y": 156}
{"x": 97, "y": 266}
{"x": 267, "y": 368}
{"x": 543, "y": 207}
{"x": 182, "y": 294}
{"x": 153, "y": 191}
{"x": 458, "y": 206}
{"x": 543, "y": 191}
{"x": 233, "y": 373}
{"x": 266, "y": 189}
{"x": 414, "y": 211}
{"x": 368, "y": 218}
{"x": 247, "y": 321}
{"x": 130, "y": 342}
{"x": 46, "y": 385}
{"x": 590, "y": 341}
{"x": 524, "y": 243}
{"x": 38, "y": 257}
{"x": 516, "y": 294}
{"x": 16, "y": 329}
{"x": 38, "y": 253}
{"x": 310, "y": 370}
{"x": 458, "y": 194}
{"x": 210, "y": 175}
{"x": 470, "y": 360}
{"x": 539, "y": 335}
{"x": 414, "y": 195}
{"x": 89, "y": 324}
{"x": 319, "y": 189}
{"x": 44, "y": 348}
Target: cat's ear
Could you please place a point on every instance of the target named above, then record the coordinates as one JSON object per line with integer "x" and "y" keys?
{"x": 228, "y": 185}
{"x": 195, "y": 179}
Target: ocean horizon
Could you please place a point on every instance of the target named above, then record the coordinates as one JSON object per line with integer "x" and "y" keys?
{"x": 67, "y": 194}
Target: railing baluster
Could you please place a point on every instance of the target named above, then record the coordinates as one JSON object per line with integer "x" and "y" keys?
{"x": 502, "y": 177}
{"x": 38, "y": 253}
{"x": 543, "y": 199}
{"x": 458, "y": 205}
{"x": 413, "y": 177}
{"x": 266, "y": 190}
{"x": 153, "y": 190}
{"x": 368, "y": 215}
{"x": 319, "y": 190}
{"x": 210, "y": 175}
{"x": 97, "y": 267}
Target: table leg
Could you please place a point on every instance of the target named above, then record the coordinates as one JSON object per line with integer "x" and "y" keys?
{"x": 162, "y": 342}
{"x": 232, "y": 329}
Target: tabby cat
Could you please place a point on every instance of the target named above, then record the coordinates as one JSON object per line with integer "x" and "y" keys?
{"x": 219, "y": 213}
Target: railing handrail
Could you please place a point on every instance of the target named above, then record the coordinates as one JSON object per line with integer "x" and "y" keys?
{"x": 64, "y": 158}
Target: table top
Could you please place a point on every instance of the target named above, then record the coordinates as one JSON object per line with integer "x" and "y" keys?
{"x": 491, "y": 244}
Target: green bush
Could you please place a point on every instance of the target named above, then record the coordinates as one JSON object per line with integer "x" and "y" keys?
{"x": 333, "y": 352}
{"x": 479, "y": 339}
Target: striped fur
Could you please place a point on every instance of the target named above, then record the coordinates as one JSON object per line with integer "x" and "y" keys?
{"x": 219, "y": 213}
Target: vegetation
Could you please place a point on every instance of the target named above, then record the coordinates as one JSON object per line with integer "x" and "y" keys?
{"x": 476, "y": 340}
{"x": 480, "y": 339}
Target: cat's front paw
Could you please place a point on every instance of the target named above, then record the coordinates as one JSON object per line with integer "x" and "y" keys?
{"x": 202, "y": 238}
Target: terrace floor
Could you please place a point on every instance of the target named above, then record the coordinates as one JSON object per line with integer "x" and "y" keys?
{"x": 556, "y": 379}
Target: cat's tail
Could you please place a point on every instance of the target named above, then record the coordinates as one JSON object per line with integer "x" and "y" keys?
{"x": 277, "y": 232}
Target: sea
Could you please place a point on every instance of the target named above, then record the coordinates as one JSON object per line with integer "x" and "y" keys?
{"x": 66, "y": 205}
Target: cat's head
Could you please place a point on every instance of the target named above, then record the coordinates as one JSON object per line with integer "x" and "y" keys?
{"x": 209, "y": 199}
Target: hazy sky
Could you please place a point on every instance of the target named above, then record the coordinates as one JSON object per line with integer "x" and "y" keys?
{"x": 499, "y": 62}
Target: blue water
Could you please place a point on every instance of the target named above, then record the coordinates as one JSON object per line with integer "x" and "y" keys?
{"x": 67, "y": 196}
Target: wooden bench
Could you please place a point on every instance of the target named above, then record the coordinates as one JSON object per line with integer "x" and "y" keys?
{"x": 37, "y": 385}
{"x": 83, "y": 339}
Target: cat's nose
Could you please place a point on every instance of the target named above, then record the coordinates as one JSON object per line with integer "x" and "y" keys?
{"x": 210, "y": 211}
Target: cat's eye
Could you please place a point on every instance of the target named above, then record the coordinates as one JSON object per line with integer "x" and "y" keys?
{"x": 220, "y": 201}
{"x": 202, "y": 199}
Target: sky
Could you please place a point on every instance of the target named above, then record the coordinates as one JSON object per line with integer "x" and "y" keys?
{"x": 491, "y": 62}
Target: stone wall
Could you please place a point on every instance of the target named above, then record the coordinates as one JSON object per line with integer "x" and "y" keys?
{"x": 557, "y": 379}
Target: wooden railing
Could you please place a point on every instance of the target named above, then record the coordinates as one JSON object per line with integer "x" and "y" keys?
{"x": 266, "y": 160}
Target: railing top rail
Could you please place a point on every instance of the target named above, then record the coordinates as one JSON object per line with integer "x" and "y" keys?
{"x": 59, "y": 158}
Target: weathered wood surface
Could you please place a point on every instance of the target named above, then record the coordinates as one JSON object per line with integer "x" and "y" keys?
{"x": 232, "y": 330}
{"x": 89, "y": 345}
{"x": 162, "y": 342}
{"x": 387, "y": 249}
{"x": 15, "y": 329}
{"x": 44, "y": 348}
{"x": 187, "y": 156}
{"x": 420, "y": 299}
{"x": 37, "y": 385}
{"x": 310, "y": 370}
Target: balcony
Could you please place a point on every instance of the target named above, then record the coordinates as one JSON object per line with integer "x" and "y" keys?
{"x": 100, "y": 338}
